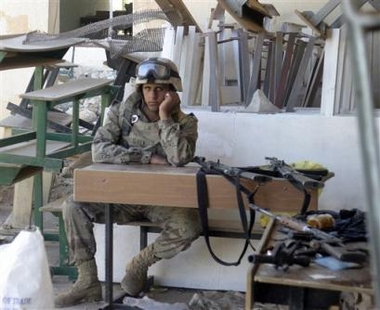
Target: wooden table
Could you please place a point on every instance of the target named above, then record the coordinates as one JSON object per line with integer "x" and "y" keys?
{"x": 169, "y": 186}
{"x": 301, "y": 287}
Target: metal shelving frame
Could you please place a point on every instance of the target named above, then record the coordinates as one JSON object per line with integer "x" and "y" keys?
{"x": 359, "y": 24}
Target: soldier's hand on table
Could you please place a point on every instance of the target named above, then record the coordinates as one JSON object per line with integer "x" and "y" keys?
{"x": 158, "y": 160}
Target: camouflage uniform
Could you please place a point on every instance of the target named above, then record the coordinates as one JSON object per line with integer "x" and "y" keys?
{"x": 126, "y": 137}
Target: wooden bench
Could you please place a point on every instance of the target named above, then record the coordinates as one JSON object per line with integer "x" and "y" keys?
{"x": 217, "y": 228}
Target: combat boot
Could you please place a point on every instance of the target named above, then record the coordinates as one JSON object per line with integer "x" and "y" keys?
{"x": 136, "y": 272}
{"x": 86, "y": 288}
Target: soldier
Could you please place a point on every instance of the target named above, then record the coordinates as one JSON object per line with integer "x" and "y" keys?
{"x": 149, "y": 128}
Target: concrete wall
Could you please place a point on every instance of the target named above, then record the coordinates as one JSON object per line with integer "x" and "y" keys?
{"x": 72, "y": 10}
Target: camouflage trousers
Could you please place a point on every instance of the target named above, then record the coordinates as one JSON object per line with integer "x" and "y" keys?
{"x": 180, "y": 226}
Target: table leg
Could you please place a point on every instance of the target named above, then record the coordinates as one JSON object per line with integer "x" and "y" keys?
{"x": 109, "y": 254}
{"x": 296, "y": 298}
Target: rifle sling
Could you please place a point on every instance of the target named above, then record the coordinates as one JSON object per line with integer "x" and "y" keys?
{"x": 203, "y": 201}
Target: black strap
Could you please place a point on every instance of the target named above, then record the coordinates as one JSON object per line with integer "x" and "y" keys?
{"x": 306, "y": 202}
{"x": 203, "y": 200}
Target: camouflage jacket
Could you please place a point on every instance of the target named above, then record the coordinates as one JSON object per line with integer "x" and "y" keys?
{"x": 128, "y": 136}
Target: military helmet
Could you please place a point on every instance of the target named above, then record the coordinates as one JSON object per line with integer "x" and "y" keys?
{"x": 158, "y": 70}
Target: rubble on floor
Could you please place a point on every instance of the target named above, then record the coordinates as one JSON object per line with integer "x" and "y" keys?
{"x": 200, "y": 300}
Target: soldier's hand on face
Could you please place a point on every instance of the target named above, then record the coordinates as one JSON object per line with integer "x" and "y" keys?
{"x": 168, "y": 104}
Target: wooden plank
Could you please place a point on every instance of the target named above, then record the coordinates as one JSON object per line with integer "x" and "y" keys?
{"x": 293, "y": 97}
{"x": 178, "y": 5}
{"x": 19, "y": 54}
{"x": 217, "y": 13}
{"x": 25, "y": 61}
{"x": 214, "y": 93}
{"x": 258, "y": 7}
{"x": 67, "y": 90}
{"x": 269, "y": 70}
{"x": 178, "y": 47}
{"x": 281, "y": 90}
{"x": 330, "y": 72}
{"x": 169, "y": 41}
{"x": 245, "y": 21}
{"x": 20, "y": 44}
{"x": 54, "y": 206}
{"x": 23, "y": 200}
{"x": 191, "y": 78}
{"x": 29, "y": 148}
{"x": 308, "y": 23}
{"x": 16, "y": 121}
{"x": 19, "y": 121}
{"x": 11, "y": 173}
{"x": 249, "y": 294}
{"x": 206, "y": 75}
{"x": 374, "y": 50}
{"x": 375, "y": 4}
{"x": 230, "y": 94}
{"x": 243, "y": 68}
{"x": 278, "y": 61}
{"x": 211, "y": 94}
{"x": 222, "y": 38}
{"x": 314, "y": 83}
{"x": 62, "y": 65}
{"x": 170, "y": 186}
{"x": 295, "y": 63}
{"x": 22, "y": 203}
{"x": 339, "y": 21}
{"x": 254, "y": 82}
{"x": 324, "y": 12}
{"x": 343, "y": 77}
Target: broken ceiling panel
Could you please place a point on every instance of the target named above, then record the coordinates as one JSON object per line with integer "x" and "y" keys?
{"x": 168, "y": 6}
{"x": 249, "y": 14}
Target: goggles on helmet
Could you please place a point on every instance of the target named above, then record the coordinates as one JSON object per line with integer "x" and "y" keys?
{"x": 158, "y": 70}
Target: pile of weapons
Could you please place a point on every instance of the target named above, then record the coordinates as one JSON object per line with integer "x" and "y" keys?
{"x": 302, "y": 243}
{"x": 303, "y": 246}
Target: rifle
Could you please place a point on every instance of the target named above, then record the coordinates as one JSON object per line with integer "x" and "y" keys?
{"x": 298, "y": 179}
{"x": 323, "y": 240}
{"x": 212, "y": 166}
{"x": 283, "y": 256}
{"x": 328, "y": 243}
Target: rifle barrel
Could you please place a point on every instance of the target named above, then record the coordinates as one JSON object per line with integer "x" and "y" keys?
{"x": 255, "y": 177}
{"x": 298, "y": 177}
{"x": 294, "y": 176}
{"x": 233, "y": 172}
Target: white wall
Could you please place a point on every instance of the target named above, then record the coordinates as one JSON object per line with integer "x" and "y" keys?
{"x": 193, "y": 268}
{"x": 247, "y": 138}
